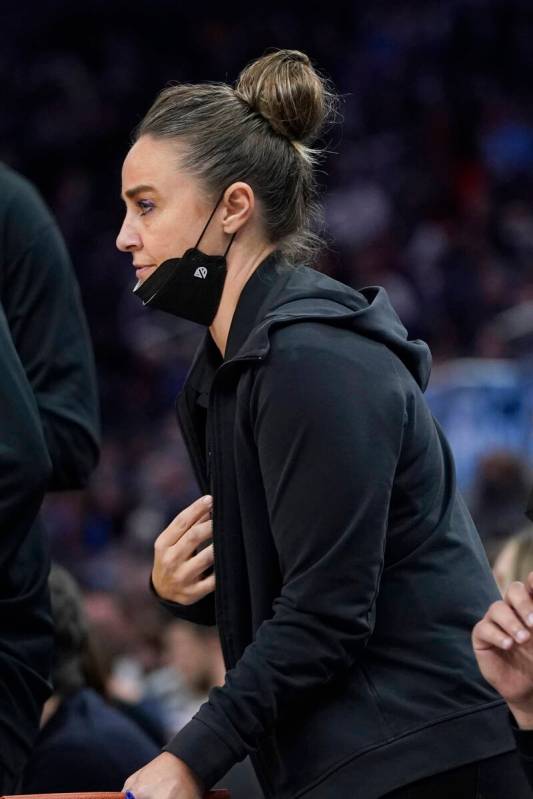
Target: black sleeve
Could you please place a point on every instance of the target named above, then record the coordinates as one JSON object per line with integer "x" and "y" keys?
{"x": 524, "y": 743}
{"x": 41, "y": 300}
{"x": 202, "y": 612}
{"x": 328, "y": 429}
{"x": 24, "y": 462}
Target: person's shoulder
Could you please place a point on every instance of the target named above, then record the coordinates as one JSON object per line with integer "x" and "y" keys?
{"x": 89, "y": 730}
{"x": 16, "y": 187}
{"x": 331, "y": 366}
{"x": 27, "y": 226}
{"x": 307, "y": 339}
{"x": 21, "y": 200}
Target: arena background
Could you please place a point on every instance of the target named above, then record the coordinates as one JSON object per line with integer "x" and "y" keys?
{"x": 427, "y": 189}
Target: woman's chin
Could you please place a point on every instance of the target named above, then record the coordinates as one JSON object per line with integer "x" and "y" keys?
{"x": 144, "y": 273}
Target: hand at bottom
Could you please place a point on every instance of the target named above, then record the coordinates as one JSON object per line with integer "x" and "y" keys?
{"x": 166, "y": 777}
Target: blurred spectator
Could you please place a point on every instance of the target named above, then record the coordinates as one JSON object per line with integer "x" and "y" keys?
{"x": 500, "y": 496}
{"x": 84, "y": 744}
{"x": 192, "y": 664}
{"x": 126, "y": 635}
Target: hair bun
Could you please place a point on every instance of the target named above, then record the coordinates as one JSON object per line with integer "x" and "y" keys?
{"x": 284, "y": 87}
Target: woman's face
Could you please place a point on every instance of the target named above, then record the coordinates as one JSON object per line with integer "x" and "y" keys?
{"x": 165, "y": 208}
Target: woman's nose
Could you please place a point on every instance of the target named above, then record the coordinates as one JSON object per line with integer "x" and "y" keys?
{"x": 128, "y": 239}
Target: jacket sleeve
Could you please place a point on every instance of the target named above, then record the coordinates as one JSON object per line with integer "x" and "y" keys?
{"x": 43, "y": 309}
{"x": 24, "y": 462}
{"x": 524, "y": 743}
{"x": 201, "y": 612}
{"x": 328, "y": 428}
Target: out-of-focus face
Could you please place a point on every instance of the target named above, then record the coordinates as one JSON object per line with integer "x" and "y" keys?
{"x": 165, "y": 207}
{"x": 188, "y": 653}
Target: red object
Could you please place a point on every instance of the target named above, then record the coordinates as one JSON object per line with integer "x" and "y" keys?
{"x": 217, "y": 794}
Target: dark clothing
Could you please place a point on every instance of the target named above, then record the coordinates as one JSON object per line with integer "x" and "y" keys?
{"x": 41, "y": 300}
{"x": 241, "y": 781}
{"x": 25, "y": 625}
{"x": 524, "y": 741}
{"x": 497, "y": 777}
{"x": 86, "y": 746}
{"x": 145, "y": 714}
{"x": 349, "y": 572}
{"x": 48, "y": 440}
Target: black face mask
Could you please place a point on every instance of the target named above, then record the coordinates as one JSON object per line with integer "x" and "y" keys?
{"x": 189, "y": 287}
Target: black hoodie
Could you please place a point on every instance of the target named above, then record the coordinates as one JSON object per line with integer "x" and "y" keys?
{"x": 349, "y": 572}
{"x": 49, "y": 435}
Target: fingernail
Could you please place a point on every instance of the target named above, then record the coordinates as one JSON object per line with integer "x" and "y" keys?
{"x": 522, "y": 635}
{"x": 129, "y": 795}
{"x": 507, "y": 642}
{"x": 208, "y": 499}
{"x": 530, "y": 620}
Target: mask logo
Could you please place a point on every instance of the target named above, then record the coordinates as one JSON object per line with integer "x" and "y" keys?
{"x": 201, "y": 272}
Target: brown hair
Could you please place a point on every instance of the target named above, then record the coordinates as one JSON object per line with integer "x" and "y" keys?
{"x": 260, "y": 132}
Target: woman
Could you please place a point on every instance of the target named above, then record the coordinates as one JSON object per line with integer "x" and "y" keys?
{"x": 347, "y": 571}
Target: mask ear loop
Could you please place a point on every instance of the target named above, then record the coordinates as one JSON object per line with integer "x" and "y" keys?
{"x": 230, "y": 243}
{"x": 207, "y": 225}
{"x": 209, "y": 220}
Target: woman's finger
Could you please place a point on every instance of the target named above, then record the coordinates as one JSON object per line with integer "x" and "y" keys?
{"x": 178, "y": 527}
{"x": 507, "y": 619}
{"x": 205, "y": 586}
{"x": 198, "y": 564}
{"x": 193, "y": 539}
{"x": 487, "y": 635}
{"x": 197, "y": 590}
{"x": 518, "y": 597}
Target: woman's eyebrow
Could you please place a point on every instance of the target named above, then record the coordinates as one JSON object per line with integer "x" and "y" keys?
{"x": 130, "y": 193}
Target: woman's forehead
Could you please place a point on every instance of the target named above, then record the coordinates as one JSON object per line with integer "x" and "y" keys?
{"x": 150, "y": 162}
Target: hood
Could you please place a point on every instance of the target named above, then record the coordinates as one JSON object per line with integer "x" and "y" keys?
{"x": 303, "y": 294}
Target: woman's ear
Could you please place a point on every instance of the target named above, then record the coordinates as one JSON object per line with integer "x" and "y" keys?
{"x": 239, "y": 204}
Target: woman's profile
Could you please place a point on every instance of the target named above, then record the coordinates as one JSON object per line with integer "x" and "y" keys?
{"x": 347, "y": 571}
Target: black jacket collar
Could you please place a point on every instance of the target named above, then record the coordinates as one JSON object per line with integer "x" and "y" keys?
{"x": 252, "y": 305}
{"x": 254, "y": 301}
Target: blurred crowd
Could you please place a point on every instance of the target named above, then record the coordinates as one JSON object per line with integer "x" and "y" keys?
{"x": 428, "y": 188}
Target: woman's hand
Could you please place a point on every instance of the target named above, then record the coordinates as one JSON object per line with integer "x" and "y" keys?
{"x": 166, "y": 777}
{"x": 503, "y": 645}
{"x": 179, "y": 565}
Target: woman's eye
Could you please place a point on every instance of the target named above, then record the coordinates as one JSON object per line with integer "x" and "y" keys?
{"x": 145, "y": 206}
